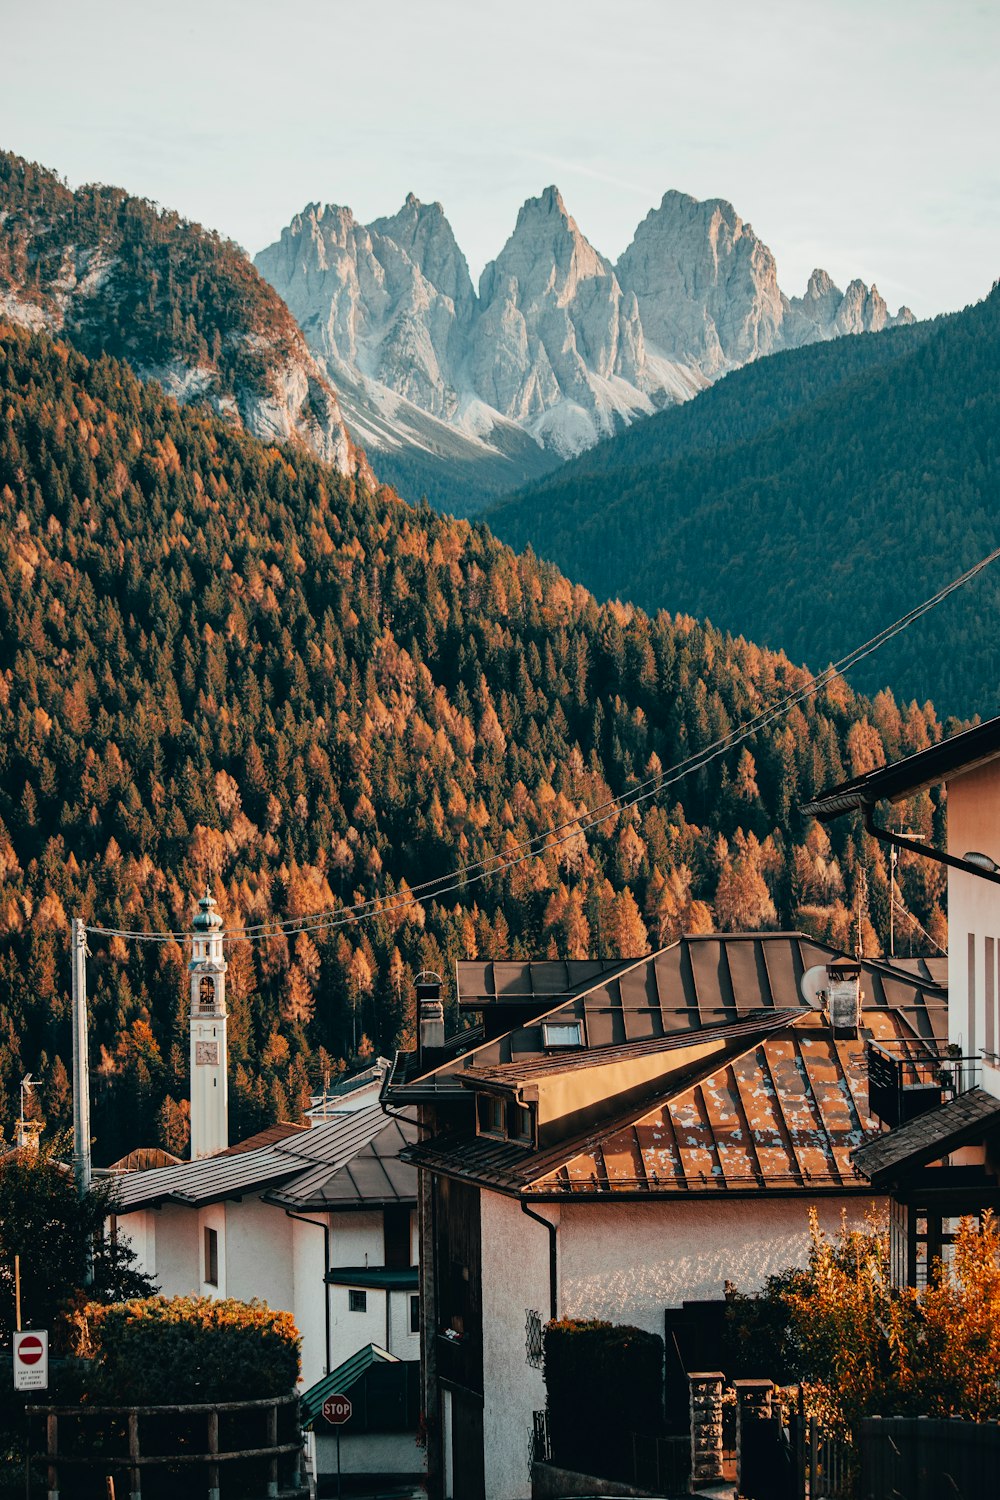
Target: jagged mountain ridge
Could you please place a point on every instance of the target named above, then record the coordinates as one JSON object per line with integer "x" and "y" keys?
{"x": 116, "y": 274}
{"x": 557, "y": 346}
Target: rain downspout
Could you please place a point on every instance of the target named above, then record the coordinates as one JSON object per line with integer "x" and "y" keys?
{"x": 553, "y": 1263}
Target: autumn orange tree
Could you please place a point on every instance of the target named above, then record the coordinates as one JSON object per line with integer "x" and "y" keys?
{"x": 867, "y": 1348}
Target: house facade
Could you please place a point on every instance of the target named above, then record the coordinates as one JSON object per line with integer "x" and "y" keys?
{"x": 317, "y": 1221}
{"x": 939, "y": 1157}
{"x": 614, "y": 1139}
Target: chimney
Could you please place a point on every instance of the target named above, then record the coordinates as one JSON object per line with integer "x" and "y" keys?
{"x": 430, "y": 1019}
{"x": 844, "y": 996}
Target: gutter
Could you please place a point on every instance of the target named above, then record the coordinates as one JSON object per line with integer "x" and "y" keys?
{"x": 886, "y": 836}
{"x": 326, "y": 1266}
{"x": 553, "y": 1254}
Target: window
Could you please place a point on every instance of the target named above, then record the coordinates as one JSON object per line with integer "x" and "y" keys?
{"x": 491, "y": 1115}
{"x": 206, "y": 993}
{"x": 357, "y": 1301}
{"x": 521, "y": 1124}
{"x": 414, "y": 1314}
{"x": 562, "y": 1034}
{"x": 211, "y": 1257}
{"x": 396, "y": 1232}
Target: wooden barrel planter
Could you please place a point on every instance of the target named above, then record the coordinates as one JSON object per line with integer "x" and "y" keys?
{"x": 243, "y": 1450}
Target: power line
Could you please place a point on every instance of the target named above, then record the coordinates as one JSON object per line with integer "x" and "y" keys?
{"x": 539, "y": 844}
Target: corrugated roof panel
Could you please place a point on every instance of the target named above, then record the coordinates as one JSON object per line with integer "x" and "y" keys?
{"x": 721, "y": 1101}
{"x": 512, "y": 980}
{"x": 782, "y": 978}
{"x": 656, "y": 1141}
{"x": 604, "y": 1020}
{"x": 711, "y": 978}
{"x": 640, "y": 1010}
{"x": 797, "y": 1104}
{"x": 695, "y": 1141}
{"x": 770, "y": 1138}
{"x": 622, "y": 1157}
{"x": 749, "y": 978}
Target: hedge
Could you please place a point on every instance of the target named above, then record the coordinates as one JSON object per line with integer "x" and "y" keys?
{"x": 604, "y": 1382}
{"x": 186, "y": 1349}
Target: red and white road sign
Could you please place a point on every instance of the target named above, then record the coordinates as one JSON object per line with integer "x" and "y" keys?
{"x": 337, "y": 1409}
{"x": 31, "y": 1360}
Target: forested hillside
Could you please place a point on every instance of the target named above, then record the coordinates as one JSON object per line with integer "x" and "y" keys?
{"x": 226, "y": 661}
{"x": 806, "y": 501}
{"x": 119, "y": 275}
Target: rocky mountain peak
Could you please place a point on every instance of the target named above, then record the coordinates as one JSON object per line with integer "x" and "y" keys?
{"x": 423, "y": 232}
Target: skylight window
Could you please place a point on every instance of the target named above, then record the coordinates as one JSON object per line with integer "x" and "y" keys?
{"x": 562, "y": 1034}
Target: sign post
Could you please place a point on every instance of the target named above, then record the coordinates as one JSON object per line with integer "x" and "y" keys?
{"x": 31, "y": 1360}
{"x": 337, "y": 1410}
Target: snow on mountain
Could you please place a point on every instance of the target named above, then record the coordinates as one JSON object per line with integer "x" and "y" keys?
{"x": 558, "y": 348}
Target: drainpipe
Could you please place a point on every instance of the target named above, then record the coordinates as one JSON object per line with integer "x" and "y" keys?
{"x": 886, "y": 836}
{"x": 318, "y": 1224}
{"x": 553, "y": 1264}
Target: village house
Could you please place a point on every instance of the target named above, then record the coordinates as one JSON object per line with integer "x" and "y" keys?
{"x": 939, "y": 1158}
{"x": 615, "y": 1138}
{"x": 317, "y": 1220}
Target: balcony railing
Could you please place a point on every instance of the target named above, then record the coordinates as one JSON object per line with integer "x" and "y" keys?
{"x": 903, "y": 1084}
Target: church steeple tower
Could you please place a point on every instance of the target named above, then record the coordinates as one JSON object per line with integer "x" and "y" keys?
{"x": 209, "y": 1061}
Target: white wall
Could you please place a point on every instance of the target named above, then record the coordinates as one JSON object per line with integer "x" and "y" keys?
{"x": 515, "y": 1277}
{"x": 628, "y": 1261}
{"x": 370, "y": 1453}
{"x": 974, "y": 920}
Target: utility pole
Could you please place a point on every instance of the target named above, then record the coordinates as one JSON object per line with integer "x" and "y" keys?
{"x": 81, "y": 1060}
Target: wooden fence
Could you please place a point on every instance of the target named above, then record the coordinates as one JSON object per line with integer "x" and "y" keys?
{"x": 928, "y": 1458}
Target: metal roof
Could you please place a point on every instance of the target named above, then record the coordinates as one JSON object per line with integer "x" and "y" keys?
{"x": 696, "y": 982}
{"x": 928, "y": 1137}
{"x": 343, "y": 1379}
{"x": 962, "y": 752}
{"x": 351, "y": 1160}
{"x": 481, "y": 984}
{"x": 782, "y": 1113}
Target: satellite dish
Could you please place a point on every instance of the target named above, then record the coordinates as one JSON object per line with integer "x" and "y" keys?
{"x": 814, "y": 985}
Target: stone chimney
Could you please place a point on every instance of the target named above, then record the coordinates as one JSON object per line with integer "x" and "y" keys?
{"x": 430, "y": 1019}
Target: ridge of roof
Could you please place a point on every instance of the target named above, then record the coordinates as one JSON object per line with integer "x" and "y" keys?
{"x": 443, "y": 1073}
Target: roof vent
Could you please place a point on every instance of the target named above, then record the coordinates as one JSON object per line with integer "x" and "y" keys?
{"x": 844, "y": 996}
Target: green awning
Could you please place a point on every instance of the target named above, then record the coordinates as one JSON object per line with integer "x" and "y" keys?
{"x": 340, "y": 1381}
{"x": 402, "y": 1280}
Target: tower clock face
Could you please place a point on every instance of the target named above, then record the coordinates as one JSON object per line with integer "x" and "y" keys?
{"x": 206, "y": 1052}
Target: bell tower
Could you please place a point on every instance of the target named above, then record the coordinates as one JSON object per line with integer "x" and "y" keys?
{"x": 209, "y": 1061}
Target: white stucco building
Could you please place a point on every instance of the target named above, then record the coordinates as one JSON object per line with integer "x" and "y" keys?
{"x": 616, "y": 1139}
{"x": 318, "y": 1221}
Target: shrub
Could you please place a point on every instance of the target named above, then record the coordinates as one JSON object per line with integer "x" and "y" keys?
{"x": 186, "y": 1349}
{"x": 604, "y": 1382}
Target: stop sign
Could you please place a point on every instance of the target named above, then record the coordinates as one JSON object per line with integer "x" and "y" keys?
{"x": 337, "y": 1410}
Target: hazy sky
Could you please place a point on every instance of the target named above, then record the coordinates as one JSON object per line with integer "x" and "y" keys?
{"x": 862, "y": 137}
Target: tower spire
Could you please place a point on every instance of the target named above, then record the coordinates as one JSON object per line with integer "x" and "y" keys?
{"x": 209, "y": 1057}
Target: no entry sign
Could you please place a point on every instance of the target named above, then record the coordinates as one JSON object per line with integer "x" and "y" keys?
{"x": 337, "y": 1410}
{"x": 31, "y": 1360}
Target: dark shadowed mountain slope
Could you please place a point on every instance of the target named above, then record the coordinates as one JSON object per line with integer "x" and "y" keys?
{"x": 806, "y": 501}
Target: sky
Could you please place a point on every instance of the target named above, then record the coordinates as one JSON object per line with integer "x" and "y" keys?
{"x": 860, "y": 137}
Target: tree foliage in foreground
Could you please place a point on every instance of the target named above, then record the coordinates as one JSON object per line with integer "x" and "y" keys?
{"x": 865, "y": 1348}
{"x": 224, "y": 661}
